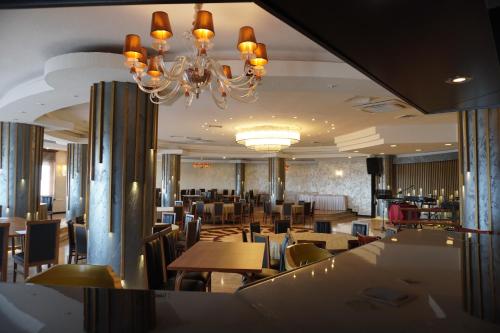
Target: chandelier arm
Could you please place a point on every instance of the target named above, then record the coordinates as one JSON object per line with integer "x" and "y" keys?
{"x": 171, "y": 94}
{"x": 221, "y": 101}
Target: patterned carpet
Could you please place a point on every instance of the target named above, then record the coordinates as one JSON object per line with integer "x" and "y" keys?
{"x": 230, "y": 233}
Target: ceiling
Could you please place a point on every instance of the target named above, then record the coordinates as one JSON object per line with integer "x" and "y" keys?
{"x": 306, "y": 86}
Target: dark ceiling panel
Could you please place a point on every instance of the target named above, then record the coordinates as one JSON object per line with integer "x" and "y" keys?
{"x": 410, "y": 47}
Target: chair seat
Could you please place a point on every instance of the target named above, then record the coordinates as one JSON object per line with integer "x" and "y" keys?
{"x": 186, "y": 285}
{"x": 274, "y": 264}
{"x": 19, "y": 257}
{"x": 199, "y": 276}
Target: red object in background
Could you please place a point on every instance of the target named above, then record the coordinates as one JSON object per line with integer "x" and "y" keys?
{"x": 396, "y": 214}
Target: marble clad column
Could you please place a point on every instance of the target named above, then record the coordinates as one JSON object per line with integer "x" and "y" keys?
{"x": 276, "y": 179}
{"x": 170, "y": 179}
{"x": 385, "y": 182}
{"x": 76, "y": 180}
{"x": 122, "y": 167}
{"x": 20, "y": 169}
{"x": 239, "y": 179}
{"x": 479, "y": 168}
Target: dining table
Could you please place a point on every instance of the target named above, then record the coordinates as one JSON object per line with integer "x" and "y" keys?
{"x": 224, "y": 257}
{"x": 17, "y": 229}
{"x": 297, "y": 210}
{"x": 227, "y": 210}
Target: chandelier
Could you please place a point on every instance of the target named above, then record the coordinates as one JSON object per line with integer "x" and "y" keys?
{"x": 268, "y": 138}
{"x": 192, "y": 74}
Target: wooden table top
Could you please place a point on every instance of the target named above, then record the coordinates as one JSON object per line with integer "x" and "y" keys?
{"x": 228, "y": 257}
{"x": 16, "y": 224}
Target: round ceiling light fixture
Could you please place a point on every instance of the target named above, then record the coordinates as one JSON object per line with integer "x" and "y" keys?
{"x": 458, "y": 79}
{"x": 268, "y": 138}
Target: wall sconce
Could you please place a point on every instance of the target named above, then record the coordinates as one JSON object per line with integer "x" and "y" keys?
{"x": 339, "y": 173}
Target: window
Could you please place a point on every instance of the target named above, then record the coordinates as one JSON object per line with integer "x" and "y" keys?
{"x": 48, "y": 176}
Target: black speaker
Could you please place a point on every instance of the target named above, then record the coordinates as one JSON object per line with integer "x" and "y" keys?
{"x": 374, "y": 166}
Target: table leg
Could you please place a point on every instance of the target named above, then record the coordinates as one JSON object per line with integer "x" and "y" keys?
{"x": 13, "y": 245}
{"x": 178, "y": 280}
{"x": 209, "y": 282}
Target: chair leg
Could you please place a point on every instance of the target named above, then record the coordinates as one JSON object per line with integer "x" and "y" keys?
{"x": 14, "y": 273}
{"x": 26, "y": 272}
{"x": 70, "y": 256}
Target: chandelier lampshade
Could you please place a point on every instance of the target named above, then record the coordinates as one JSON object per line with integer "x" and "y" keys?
{"x": 160, "y": 26}
{"x": 246, "y": 40}
{"x": 268, "y": 138}
{"x": 142, "y": 63}
{"x": 154, "y": 68}
{"x": 132, "y": 47}
{"x": 260, "y": 56}
{"x": 203, "y": 28}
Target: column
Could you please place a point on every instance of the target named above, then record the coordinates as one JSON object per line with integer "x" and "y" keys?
{"x": 76, "y": 180}
{"x": 239, "y": 179}
{"x": 122, "y": 167}
{"x": 170, "y": 179}
{"x": 385, "y": 182}
{"x": 479, "y": 168}
{"x": 20, "y": 169}
{"x": 276, "y": 179}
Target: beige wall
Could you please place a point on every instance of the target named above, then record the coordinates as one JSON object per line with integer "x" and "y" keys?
{"x": 256, "y": 177}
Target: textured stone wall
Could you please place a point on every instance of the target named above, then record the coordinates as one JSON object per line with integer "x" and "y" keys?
{"x": 321, "y": 178}
{"x": 218, "y": 175}
{"x": 76, "y": 180}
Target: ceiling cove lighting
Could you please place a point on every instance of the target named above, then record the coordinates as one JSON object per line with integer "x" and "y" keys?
{"x": 268, "y": 138}
{"x": 190, "y": 75}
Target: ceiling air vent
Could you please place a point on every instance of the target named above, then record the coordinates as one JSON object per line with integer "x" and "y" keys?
{"x": 406, "y": 116}
{"x": 390, "y": 105}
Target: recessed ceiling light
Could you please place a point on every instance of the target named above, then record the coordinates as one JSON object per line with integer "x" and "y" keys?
{"x": 356, "y": 151}
{"x": 273, "y": 116}
{"x": 206, "y": 124}
{"x": 349, "y": 157}
{"x": 308, "y": 134}
{"x": 332, "y": 85}
{"x": 393, "y": 146}
{"x": 294, "y": 117}
{"x": 326, "y": 121}
{"x": 223, "y": 157}
{"x": 448, "y": 144}
{"x": 458, "y": 79}
{"x": 313, "y": 119}
{"x": 215, "y": 120}
{"x": 328, "y": 131}
{"x": 293, "y": 158}
{"x": 382, "y": 153}
{"x": 418, "y": 149}
{"x": 251, "y": 117}
{"x": 230, "y": 118}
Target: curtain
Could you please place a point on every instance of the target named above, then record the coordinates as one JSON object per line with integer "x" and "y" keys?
{"x": 48, "y": 174}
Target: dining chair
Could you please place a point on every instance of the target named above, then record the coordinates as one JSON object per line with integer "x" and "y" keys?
{"x": 168, "y": 218}
{"x": 154, "y": 262}
{"x": 41, "y": 246}
{"x": 218, "y": 212}
{"x": 71, "y": 240}
{"x": 298, "y": 255}
{"x": 359, "y": 228}
{"x": 4, "y": 249}
{"x": 287, "y": 211}
{"x": 178, "y": 203}
{"x": 313, "y": 209}
{"x": 389, "y": 232}
{"x": 238, "y": 213}
{"x": 268, "y": 212}
{"x": 200, "y": 209}
{"x": 225, "y": 192}
{"x": 301, "y": 202}
{"x": 232, "y": 192}
{"x": 323, "y": 227}
{"x": 179, "y": 214}
{"x": 80, "y": 242}
{"x": 307, "y": 210}
{"x": 192, "y": 281}
{"x": 191, "y": 230}
{"x": 248, "y": 212}
{"x": 362, "y": 239}
{"x": 79, "y": 220}
{"x": 192, "y": 191}
{"x": 267, "y": 262}
{"x": 254, "y": 228}
{"x": 279, "y": 202}
{"x": 281, "y": 226}
{"x": 244, "y": 235}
